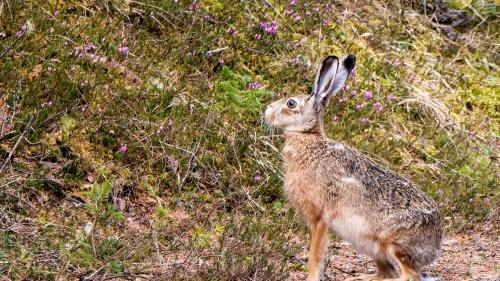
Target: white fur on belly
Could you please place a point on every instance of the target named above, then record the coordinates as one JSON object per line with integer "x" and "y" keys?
{"x": 354, "y": 229}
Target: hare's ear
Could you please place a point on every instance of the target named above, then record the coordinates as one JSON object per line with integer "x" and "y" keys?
{"x": 325, "y": 75}
{"x": 325, "y": 89}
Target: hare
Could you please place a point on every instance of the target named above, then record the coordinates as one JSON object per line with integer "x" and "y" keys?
{"x": 382, "y": 214}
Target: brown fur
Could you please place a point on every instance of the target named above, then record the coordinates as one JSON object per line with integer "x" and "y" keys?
{"x": 380, "y": 213}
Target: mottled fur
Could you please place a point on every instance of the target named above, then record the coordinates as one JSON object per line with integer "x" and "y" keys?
{"x": 382, "y": 214}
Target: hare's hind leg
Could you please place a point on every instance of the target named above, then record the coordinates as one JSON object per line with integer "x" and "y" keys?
{"x": 408, "y": 270}
{"x": 385, "y": 270}
{"x": 319, "y": 242}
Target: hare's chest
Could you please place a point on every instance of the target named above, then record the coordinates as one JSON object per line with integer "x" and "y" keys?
{"x": 300, "y": 186}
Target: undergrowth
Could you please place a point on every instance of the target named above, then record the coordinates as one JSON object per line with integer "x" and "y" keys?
{"x": 131, "y": 134}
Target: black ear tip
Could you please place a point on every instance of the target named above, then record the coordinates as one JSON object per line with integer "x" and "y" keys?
{"x": 350, "y": 61}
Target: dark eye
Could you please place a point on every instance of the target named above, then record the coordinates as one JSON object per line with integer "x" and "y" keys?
{"x": 291, "y": 103}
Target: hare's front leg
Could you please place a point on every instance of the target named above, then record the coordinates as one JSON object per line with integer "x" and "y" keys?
{"x": 319, "y": 244}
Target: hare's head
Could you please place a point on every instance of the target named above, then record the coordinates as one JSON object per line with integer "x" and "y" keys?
{"x": 305, "y": 113}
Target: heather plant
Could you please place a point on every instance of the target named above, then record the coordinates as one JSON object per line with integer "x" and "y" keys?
{"x": 131, "y": 140}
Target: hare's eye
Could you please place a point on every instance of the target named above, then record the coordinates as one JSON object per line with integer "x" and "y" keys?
{"x": 291, "y": 103}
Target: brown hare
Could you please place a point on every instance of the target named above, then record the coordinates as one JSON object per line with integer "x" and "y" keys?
{"x": 382, "y": 214}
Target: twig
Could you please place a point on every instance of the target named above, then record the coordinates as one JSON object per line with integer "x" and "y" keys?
{"x": 10, "y": 47}
{"x": 21, "y": 137}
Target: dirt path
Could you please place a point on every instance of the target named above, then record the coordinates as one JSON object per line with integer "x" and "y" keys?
{"x": 465, "y": 257}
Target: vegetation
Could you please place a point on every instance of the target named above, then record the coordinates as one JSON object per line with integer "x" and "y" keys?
{"x": 131, "y": 140}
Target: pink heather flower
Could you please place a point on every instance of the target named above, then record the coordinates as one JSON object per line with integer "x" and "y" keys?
{"x": 90, "y": 48}
{"x": 316, "y": 9}
{"x": 390, "y": 97}
{"x": 297, "y": 17}
{"x": 51, "y": 30}
{"x": 3, "y": 35}
{"x": 368, "y": 95}
{"x": 411, "y": 78}
{"x": 270, "y": 27}
{"x": 354, "y": 72}
{"x": 56, "y": 13}
{"x": 258, "y": 36}
{"x": 170, "y": 122}
{"x": 387, "y": 61}
{"x": 346, "y": 87}
{"x": 206, "y": 17}
{"x": 221, "y": 61}
{"x": 258, "y": 177}
{"x": 252, "y": 25}
{"x": 295, "y": 61}
{"x": 85, "y": 83}
{"x": 308, "y": 13}
{"x": 342, "y": 100}
{"x": 19, "y": 34}
{"x": 380, "y": 109}
{"x": 123, "y": 148}
{"x": 288, "y": 12}
{"x": 254, "y": 86}
{"x": 24, "y": 27}
{"x": 123, "y": 50}
{"x": 50, "y": 69}
{"x": 335, "y": 118}
{"x": 354, "y": 93}
{"x": 360, "y": 106}
{"x": 293, "y": 3}
{"x": 73, "y": 69}
{"x": 377, "y": 104}
{"x": 325, "y": 22}
{"x": 365, "y": 120}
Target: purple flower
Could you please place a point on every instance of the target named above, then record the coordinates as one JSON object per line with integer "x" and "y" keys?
{"x": 123, "y": 148}
{"x": 85, "y": 83}
{"x": 90, "y": 48}
{"x": 377, "y": 104}
{"x": 297, "y": 17}
{"x": 325, "y": 22}
{"x": 411, "y": 78}
{"x": 390, "y": 97}
{"x": 293, "y": 3}
{"x": 24, "y": 27}
{"x": 308, "y": 13}
{"x": 270, "y": 27}
{"x": 354, "y": 93}
{"x": 346, "y": 87}
{"x": 19, "y": 34}
{"x": 354, "y": 72}
{"x": 3, "y": 35}
{"x": 51, "y": 30}
{"x": 50, "y": 69}
{"x": 288, "y": 12}
{"x": 342, "y": 100}
{"x": 254, "y": 86}
{"x": 170, "y": 122}
{"x": 360, "y": 106}
{"x": 258, "y": 36}
{"x": 380, "y": 109}
{"x": 295, "y": 61}
{"x": 258, "y": 176}
{"x": 221, "y": 61}
{"x": 368, "y": 95}
{"x": 335, "y": 118}
{"x": 56, "y": 13}
{"x": 364, "y": 120}
{"x": 123, "y": 50}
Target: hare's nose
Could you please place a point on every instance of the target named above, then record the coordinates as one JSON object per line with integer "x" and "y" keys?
{"x": 349, "y": 62}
